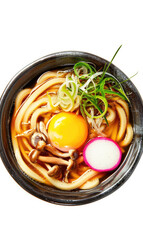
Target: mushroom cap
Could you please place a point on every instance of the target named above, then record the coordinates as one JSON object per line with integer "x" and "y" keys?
{"x": 36, "y": 137}
{"x": 55, "y": 171}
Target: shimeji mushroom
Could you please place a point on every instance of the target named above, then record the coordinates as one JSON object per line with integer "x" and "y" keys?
{"x": 36, "y": 137}
{"x": 53, "y": 160}
{"x": 73, "y": 154}
{"x": 55, "y": 171}
{"x": 33, "y": 155}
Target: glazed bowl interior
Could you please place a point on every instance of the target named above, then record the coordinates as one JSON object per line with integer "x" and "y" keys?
{"x": 27, "y": 77}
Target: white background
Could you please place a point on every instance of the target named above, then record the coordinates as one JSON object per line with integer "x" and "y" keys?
{"x": 30, "y": 30}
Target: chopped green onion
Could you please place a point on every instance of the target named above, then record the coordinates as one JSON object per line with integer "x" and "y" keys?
{"x": 88, "y": 68}
{"x": 86, "y": 88}
{"x": 96, "y": 106}
{"x": 115, "y": 93}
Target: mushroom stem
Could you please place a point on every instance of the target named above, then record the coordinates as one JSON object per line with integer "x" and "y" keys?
{"x": 42, "y": 128}
{"x": 53, "y": 160}
{"x": 70, "y": 164}
{"x": 40, "y": 145}
{"x": 33, "y": 155}
{"x": 26, "y": 133}
{"x": 73, "y": 154}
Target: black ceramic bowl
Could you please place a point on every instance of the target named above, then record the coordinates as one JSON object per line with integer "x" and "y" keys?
{"x": 76, "y": 197}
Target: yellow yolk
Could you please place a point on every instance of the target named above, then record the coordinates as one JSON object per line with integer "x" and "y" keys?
{"x": 67, "y": 131}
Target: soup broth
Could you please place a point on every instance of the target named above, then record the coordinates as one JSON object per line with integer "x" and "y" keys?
{"x": 54, "y": 120}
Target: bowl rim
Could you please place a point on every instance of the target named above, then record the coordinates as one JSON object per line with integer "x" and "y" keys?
{"x": 17, "y": 175}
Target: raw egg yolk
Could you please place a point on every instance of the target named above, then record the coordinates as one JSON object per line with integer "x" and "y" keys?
{"x": 67, "y": 131}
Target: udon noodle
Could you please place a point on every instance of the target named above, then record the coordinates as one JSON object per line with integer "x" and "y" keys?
{"x": 35, "y": 154}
